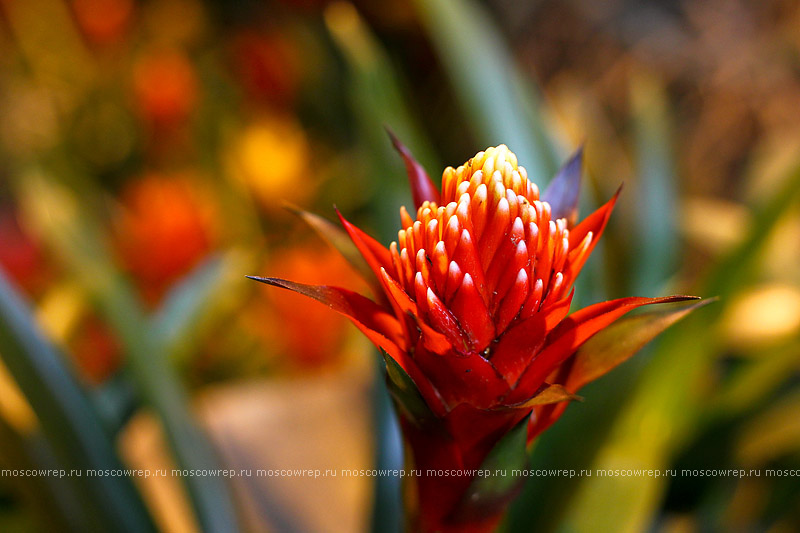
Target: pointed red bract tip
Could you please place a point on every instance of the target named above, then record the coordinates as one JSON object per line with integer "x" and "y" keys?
{"x": 573, "y": 331}
{"x": 422, "y": 188}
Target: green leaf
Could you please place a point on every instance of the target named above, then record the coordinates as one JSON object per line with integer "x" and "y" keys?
{"x": 44, "y": 502}
{"x": 488, "y": 493}
{"x": 77, "y": 238}
{"x": 618, "y": 342}
{"x": 378, "y": 99}
{"x": 68, "y": 418}
{"x": 551, "y": 393}
{"x": 763, "y": 372}
{"x": 773, "y": 434}
{"x": 668, "y": 399}
{"x": 405, "y": 393}
{"x": 497, "y": 104}
{"x": 183, "y": 307}
{"x": 116, "y": 401}
{"x": 656, "y": 205}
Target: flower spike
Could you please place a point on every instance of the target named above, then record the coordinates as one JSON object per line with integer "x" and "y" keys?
{"x": 482, "y": 355}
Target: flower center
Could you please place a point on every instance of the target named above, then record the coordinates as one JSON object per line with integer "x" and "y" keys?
{"x": 489, "y": 255}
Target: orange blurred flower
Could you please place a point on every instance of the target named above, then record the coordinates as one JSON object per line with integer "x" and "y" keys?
{"x": 20, "y": 255}
{"x": 103, "y": 21}
{"x": 282, "y": 319}
{"x": 167, "y": 225}
{"x": 165, "y": 88}
{"x": 95, "y": 350}
{"x": 267, "y": 66}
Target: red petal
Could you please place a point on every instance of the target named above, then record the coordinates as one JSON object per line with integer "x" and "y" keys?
{"x": 517, "y": 346}
{"x": 400, "y": 301}
{"x": 496, "y": 230}
{"x": 476, "y": 431}
{"x": 407, "y": 308}
{"x": 374, "y": 321}
{"x": 375, "y": 254}
{"x": 397, "y": 295}
{"x": 472, "y": 315}
{"x": 556, "y": 312}
{"x": 596, "y": 223}
{"x": 574, "y": 331}
{"x": 466, "y": 257}
{"x": 362, "y": 311}
{"x": 510, "y": 306}
{"x": 443, "y": 320}
{"x": 422, "y": 188}
{"x": 461, "y": 379}
{"x": 498, "y": 269}
{"x": 434, "y": 341}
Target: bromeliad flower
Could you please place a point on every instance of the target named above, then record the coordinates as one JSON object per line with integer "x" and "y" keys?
{"x": 471, "y": 312}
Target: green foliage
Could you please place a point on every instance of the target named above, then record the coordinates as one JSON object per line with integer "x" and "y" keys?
{"x": 71, "y": 423}
{"x": 503, "y": 466}
{"x": 76, "y": 237}
{"x": 499, "y": 107}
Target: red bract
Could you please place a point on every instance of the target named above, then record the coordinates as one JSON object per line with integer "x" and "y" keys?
{"x": 472, "y": 313}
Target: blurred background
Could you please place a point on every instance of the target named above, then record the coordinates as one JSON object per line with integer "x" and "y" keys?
{"x": 149, "y": 151}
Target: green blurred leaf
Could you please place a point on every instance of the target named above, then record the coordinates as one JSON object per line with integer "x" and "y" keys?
{"x": 498, "y": 105}
{"x": 663, "y": 411}
{"x": 116, "y": 401}
{"x": 773, "y": 434}
{"x": 377, "y": 90}
{"x": 617, "y": 343}
{"x": 50, "y": 499}
{"x": 405, "y": 393}
{"x": 735, "y": 270}
{"x": 763, "y": 372}
{"x": 77, "y": 238}
{"x": 656, "y": 227}
{"x": 68, "y": 419}
{"x": 378, "y": 99}
{"x": 488, "y": 493}
{"x": 387, "y": 512}
{"x": 177, "y": 318}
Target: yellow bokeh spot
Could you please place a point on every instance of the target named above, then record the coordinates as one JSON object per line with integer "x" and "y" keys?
{"x": 271, "y": 158}
{"x": 763, "y": 314}
{"x": 14, "y": 408}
